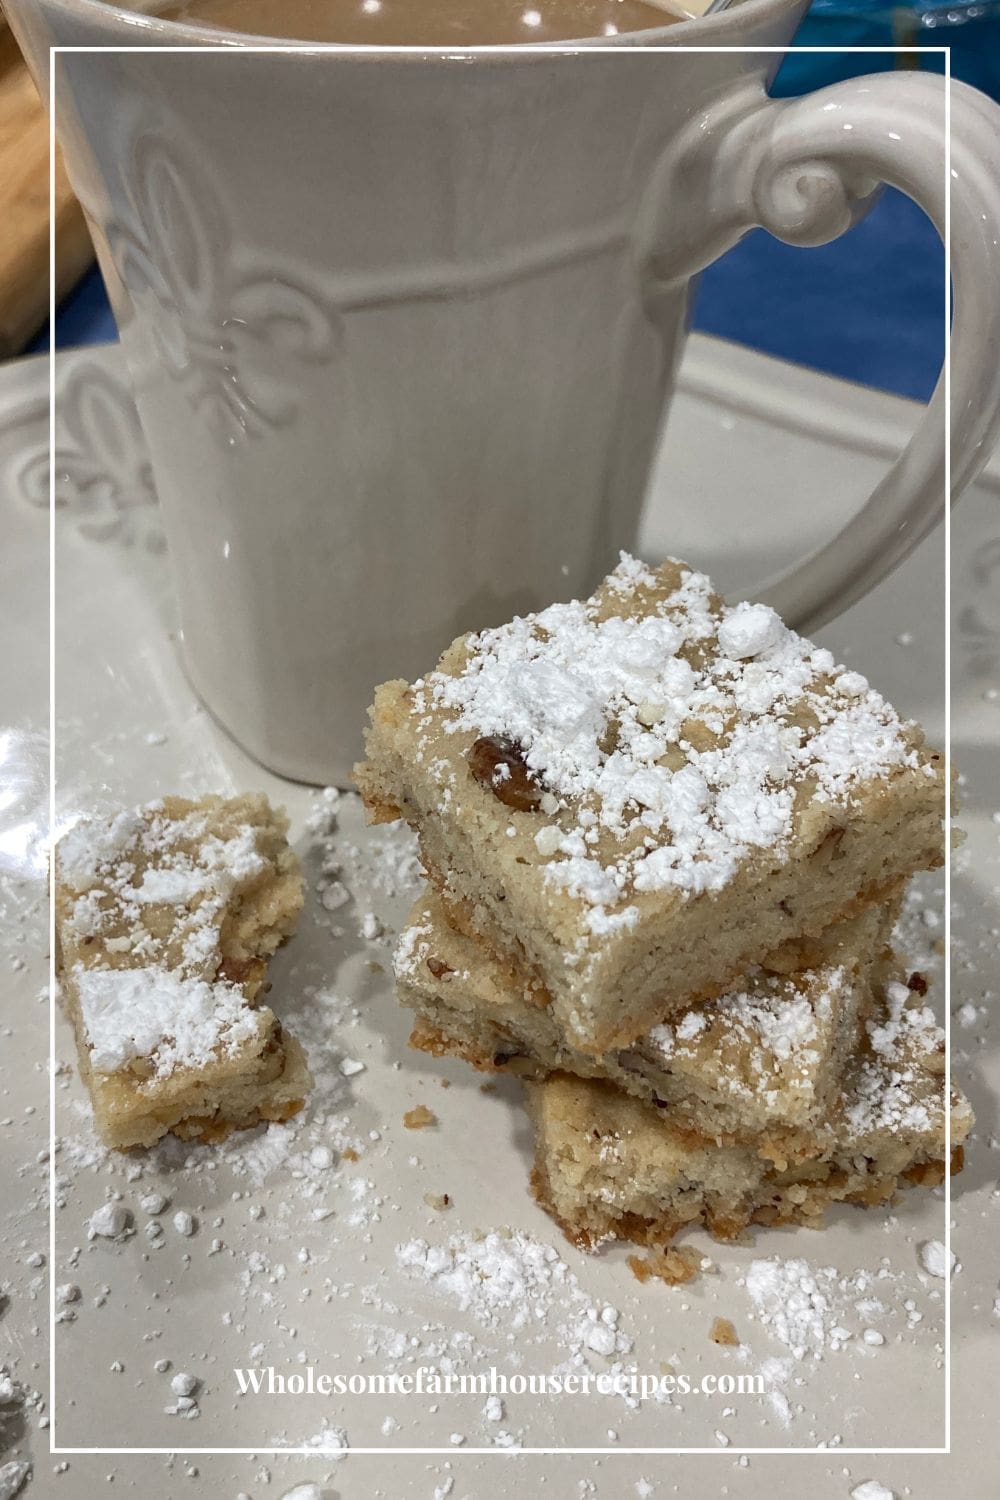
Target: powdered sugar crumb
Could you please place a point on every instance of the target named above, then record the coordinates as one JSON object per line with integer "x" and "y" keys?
{"x": 808, "y": 1308}
{"x": 512, "y": 1282}
{"x": 937, "y": 1259}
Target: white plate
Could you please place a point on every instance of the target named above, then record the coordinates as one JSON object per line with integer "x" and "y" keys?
{"x": 760, "y": 461}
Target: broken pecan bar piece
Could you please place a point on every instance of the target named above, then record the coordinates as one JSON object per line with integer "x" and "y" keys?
{"x": 166, "y": 916}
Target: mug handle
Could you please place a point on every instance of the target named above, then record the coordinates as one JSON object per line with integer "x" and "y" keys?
{"x": 807, "y": 169}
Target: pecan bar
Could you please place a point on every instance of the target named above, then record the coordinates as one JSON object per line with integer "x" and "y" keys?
{"x": 762, "y": 1060}
{"x": 166, "y": 916}
{"x": 608, "y": 1166}
{"x": 633, "y": 799}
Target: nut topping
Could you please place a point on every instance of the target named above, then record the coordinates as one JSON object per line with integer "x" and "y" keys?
{"x": 240, "y": 970}
{"x": 499, "y": 765}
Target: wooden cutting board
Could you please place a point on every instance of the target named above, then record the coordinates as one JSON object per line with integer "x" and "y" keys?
{"x": 24, "y": 208}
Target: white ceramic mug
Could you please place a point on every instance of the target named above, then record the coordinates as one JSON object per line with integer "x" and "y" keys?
{"x": 402, "y": 325}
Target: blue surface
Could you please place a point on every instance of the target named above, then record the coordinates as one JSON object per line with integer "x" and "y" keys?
{"x": 868, "y": 307}
{"x": 970, "y": 29}
{"x": 83, "y": 317}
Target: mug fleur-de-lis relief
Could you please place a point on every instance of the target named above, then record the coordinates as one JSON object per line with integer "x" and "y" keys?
{"x": 227, "y": 334}
{"x": 979, "y": 619}
{"x": 102, "y": 473}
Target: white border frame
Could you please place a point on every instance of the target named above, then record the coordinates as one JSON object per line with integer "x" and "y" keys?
{"x": 946, "y": 375}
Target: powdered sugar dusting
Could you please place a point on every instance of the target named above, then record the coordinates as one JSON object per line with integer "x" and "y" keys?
{"x": 153, "y": 1012}
{"x": 778, "y": 1022}
{"x": 87, "y": 849}
{"x": 684, "y": 728}
{"x": 899, "y": 1086}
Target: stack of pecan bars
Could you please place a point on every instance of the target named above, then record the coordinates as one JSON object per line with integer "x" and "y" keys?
{"x": 666, "y": 842}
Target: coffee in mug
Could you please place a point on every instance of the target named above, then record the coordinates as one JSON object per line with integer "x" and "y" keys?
{"x": 428, "y": 23}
